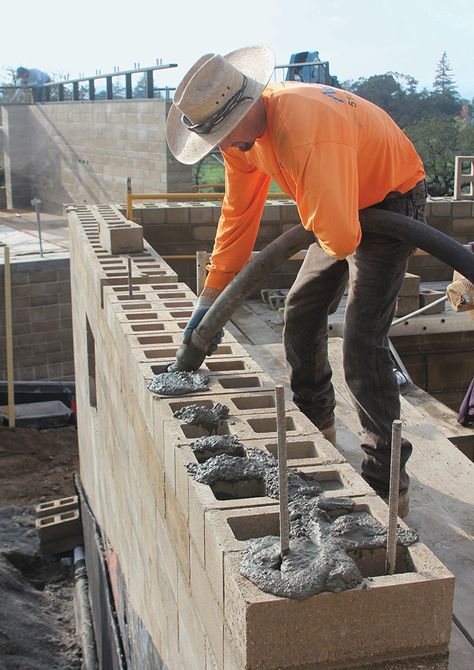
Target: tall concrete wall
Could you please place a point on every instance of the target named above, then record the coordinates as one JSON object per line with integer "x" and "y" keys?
{"x": 178, "y": 542}
{"x": 82, "y": 153}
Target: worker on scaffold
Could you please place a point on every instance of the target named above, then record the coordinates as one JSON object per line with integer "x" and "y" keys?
{"x": 334, "y": 154}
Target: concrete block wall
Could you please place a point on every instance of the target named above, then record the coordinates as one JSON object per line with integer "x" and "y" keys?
{"x": 83, "y": 153}
{"x": 42, "y": 323}
{"x": 177, "y": 544}
{"x": 185, "y": 228}
{"x": 452, "y": 217}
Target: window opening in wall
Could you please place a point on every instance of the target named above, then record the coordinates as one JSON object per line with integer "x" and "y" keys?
{"x": 91, "y": 365}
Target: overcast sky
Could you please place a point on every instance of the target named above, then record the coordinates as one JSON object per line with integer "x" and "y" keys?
{"x": 359, "y": 38}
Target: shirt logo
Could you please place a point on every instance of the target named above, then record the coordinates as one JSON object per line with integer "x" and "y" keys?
{"x": 334, "y": 94}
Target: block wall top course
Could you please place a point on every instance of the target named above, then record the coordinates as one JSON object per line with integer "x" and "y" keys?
{"x": 238, "y": 403}
{"x": 228, "y": 365}
{"x": 311, "y": 449}
{"x": 349, "y": 627}
{"x": 245, "y": 427}
{"x": 160, "y": 352}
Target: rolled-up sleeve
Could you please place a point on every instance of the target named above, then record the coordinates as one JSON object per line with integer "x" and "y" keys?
{"x": 242, "y": 207}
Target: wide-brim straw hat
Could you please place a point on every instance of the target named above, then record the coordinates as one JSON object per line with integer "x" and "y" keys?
{"x": 213, "y": 98}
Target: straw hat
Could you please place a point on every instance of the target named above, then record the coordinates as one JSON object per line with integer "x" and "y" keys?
{"x": 213, "y": 98}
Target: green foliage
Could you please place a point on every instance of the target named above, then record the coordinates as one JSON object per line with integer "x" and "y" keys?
{"x": 438, "y": 140}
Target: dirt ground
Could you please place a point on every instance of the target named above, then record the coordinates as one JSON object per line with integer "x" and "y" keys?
{"x": 37, "y": 627}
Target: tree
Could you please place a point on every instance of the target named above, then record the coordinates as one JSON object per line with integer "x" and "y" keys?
{"x": 438, "y": 140}
{"x": 444, "y": 79}
{"x": 394, "y": 92}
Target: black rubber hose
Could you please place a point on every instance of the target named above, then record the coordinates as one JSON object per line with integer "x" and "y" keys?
{"x": 373, "y": 220}
{"x": 190, "y": 356}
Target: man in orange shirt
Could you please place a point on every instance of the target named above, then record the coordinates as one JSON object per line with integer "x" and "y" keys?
{"x": 334, "y": 154}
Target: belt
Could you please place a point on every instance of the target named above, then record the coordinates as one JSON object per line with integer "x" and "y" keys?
{"x": 393, "y": 195}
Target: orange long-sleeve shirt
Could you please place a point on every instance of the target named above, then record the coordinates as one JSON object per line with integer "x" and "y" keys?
{"x": 331, "y": 151}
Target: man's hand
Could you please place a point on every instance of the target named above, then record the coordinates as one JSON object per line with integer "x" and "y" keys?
{"x": 204, "y": 303}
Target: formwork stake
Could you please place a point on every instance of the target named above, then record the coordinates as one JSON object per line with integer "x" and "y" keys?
{"x": 393, "y": 497}
{"x": 9, "y": 337}
{"x": 130, "y": 285}
{"x": 36, "y": 202}
{"x": 282, "y": 471}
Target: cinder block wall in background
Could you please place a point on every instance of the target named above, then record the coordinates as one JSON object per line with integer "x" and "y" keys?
{"x": 452, "y": 217}
{"x": 42, "y": 325}
{"x": 68, "y": 152}
{"x": 176, "y": 542}
{"x": 183, "y": 228}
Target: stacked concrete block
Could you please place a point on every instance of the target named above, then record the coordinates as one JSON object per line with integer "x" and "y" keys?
{"x": 464, "y": 178}
{"x": 179, "y": 541}
{"x": 42, "y": 324}
{"x": 408, "y": 297}
{"x": 117, "y": 235}
{"x": 58, "y": 525}
{"x": 428, "y": 296}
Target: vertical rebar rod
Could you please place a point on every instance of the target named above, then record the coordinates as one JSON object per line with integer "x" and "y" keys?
{"x": 282, "y": 471}
{"x": 393, "y": 497}
{"x": 130, "y": 285}
{"x": 9, "y": 337}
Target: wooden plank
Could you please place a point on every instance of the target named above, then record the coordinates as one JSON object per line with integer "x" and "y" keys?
{"x": 255, "y": 328}
{"x": 444, "y": 417}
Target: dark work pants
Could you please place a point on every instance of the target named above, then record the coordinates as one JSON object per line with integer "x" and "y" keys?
{"x": 375, "y": 273}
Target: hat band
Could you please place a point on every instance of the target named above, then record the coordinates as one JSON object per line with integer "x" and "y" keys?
{"x": 206, "y": 126}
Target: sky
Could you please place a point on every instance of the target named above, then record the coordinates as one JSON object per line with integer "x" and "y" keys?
{"x": 359, "y": 38}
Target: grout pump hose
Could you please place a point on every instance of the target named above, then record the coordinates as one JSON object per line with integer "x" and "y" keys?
{"x": 190, "y": 356}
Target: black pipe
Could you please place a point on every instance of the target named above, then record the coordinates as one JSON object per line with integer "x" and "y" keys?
{"x": 372, "y": 220}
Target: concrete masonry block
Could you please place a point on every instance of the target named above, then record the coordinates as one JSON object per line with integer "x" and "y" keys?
{"x": 228, "y": 530}
{"x": 219, "y": 368}
{"x": 219, "y": 382}
{"x": 121, "y": 237}
{"x": 210, "y": 612}
{"x": 353, "y": 627}
{"x": 310, "y": 449}
{"x": 59, "y": 533}
{"x": 248, "y": 403}
{"x": 410, "y": 285}
{"x": 54, "y": 507}
{"x": 192, "y": 639}
{"x": 406, "y": 305}
{"x": 428, "y": 296}
{"x": 167, "y": 352}
{"x": 177, "y": 525}
{"x": 202, "y": 498}
{"x": 439, "y": 208}
{"x": 244, "y": 428}
{"x": 464, "y": 226}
